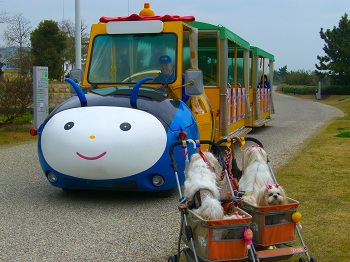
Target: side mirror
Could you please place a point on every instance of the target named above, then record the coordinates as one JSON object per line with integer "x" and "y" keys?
{"x": 77, "y": 76}
{"x": 194, "y": 82}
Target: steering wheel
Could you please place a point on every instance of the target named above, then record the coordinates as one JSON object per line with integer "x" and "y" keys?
{"x": 140, "y": 75}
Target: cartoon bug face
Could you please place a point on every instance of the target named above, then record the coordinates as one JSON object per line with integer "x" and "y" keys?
{"x": 113, "y": 142}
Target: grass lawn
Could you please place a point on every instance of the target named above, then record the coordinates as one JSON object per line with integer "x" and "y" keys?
{"x": 15, "y": 134}
{"x": 319, "y": 178}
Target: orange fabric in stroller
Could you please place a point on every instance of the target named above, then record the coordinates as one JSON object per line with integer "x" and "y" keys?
{"x": 219, "y": 240}
{"x": 272, "y": 224}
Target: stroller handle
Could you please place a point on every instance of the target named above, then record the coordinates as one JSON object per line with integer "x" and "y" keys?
{"x": 252, "y": 139}
{"x": 207, "y": 142}
{"x": 238, "y": 139}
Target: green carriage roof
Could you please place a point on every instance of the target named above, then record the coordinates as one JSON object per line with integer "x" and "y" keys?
{"x": 226, "y": 33}
{"x": 223, "y": 33}
{"x": 262, "y": 53}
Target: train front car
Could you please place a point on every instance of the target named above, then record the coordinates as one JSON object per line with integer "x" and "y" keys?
{"x": 113, "y": 143}
{"x": 130, "y": 107}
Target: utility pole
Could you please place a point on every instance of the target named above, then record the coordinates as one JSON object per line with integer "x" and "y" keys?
{"x": 77, "y": 35}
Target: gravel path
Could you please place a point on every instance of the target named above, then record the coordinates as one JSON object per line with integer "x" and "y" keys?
{"x": 42, "y": 223}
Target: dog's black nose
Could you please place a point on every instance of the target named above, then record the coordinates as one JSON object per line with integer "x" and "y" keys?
{"x": 275, "y": 196}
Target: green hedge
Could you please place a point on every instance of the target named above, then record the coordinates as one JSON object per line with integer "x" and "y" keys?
{"x": 307, "y": 90}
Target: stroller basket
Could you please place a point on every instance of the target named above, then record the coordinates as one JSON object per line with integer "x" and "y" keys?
{"x": 219, "y": 240}
{"x": 272, "y": 225}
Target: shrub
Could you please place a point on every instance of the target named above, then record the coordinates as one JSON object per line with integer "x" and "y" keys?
{"x": 16, "y": 96}
{"x": 336, "y": 90}
{"x": 308, "y": 90}
{"x": 300, "y": 90}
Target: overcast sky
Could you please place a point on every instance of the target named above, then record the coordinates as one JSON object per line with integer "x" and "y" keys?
{"x": 287, "y": 29}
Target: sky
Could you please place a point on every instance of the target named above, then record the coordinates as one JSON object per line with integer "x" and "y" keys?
{"x": 290, "y": 30}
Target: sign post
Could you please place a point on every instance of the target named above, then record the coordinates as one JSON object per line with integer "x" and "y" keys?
{"x": 41, "y": 94}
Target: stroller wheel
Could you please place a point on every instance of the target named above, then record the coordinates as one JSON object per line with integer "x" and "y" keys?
{"x": 172, "y": 258}
{"x": 313, "y": 259}
{"x": 301, "y": 259}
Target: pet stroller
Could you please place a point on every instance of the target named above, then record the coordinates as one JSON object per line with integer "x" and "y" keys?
{"x": 273, "y": 227}
{"x": 212, "y": 240}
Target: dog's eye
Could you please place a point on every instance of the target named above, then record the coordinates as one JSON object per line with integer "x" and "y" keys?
{"x": 278, "y": 193}
{"x": 271, "y": 194}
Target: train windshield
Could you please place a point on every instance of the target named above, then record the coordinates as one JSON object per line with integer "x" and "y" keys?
{"x": 117, "y": 59}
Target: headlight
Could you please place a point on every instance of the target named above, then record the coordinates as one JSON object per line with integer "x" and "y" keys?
{"x": 157, "y": 180}
{"x": 52, "y": 177}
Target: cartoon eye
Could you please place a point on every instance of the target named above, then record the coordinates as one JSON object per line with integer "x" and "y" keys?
{"x": 125, "y": 126}
{"x": 69, "y": 125}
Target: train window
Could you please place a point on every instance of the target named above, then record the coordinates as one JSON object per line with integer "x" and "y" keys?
{"x": 208, "y": 56}
{"x": 235, "y": 65}
{"x": 129, "y": 58}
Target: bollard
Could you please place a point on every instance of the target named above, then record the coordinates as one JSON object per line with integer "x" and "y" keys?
{"x": 318, "y": 93}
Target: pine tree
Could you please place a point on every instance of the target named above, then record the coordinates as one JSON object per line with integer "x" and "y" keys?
{"x": 336, "y": 62}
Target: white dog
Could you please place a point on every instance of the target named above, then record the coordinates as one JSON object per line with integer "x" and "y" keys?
{"x": 256, "y": 174}
{"x": 271, "y": 195}
{"x": 202, "y": 174}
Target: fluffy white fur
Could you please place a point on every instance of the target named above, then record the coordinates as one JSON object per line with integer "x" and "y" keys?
{"x": 271, "y": 195}
{"x": 256, "y": 174}
{"x": 200, "y": 177}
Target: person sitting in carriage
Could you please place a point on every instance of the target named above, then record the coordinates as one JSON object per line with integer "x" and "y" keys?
{"x": 264, "y": 83}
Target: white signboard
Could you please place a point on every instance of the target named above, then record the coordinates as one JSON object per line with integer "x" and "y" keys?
{"x": 41, "y": 94}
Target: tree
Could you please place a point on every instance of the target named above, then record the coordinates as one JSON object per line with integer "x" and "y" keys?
{"x": 3, "y": 17}
{"x": 68, "y": 28}
{"x": 16, "y": 35}
{"x": 18, "y": 31}
{"x": 48, "y": 45}
{"x": 336, "y": 62}
{"x": 301, "y": 77}
{"x": 16, "y": 91}
{"x": 280, "y": 75}
{"x": 283, "y": 72}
